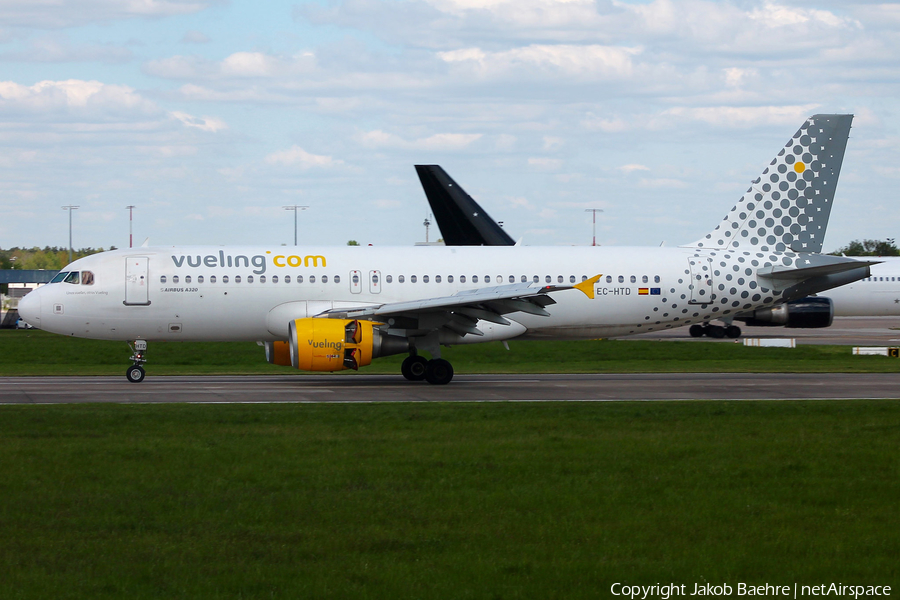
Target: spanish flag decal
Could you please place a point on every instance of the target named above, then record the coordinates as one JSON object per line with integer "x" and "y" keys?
{"x": 643, "y": 291}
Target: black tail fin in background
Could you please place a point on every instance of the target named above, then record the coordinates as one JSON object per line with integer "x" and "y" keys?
{"x": 461, "y": 220}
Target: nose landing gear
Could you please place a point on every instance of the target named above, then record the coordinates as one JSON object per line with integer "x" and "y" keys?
{"x": 135, "y": 373}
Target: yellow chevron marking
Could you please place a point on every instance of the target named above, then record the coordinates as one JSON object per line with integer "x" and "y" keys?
{"x": 587, "y": 286}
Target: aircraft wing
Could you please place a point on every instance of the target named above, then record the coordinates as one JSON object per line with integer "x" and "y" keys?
{"x": 462, "y": 311}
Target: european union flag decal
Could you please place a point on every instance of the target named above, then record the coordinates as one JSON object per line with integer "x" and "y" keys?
{"x": 654, "y": 291}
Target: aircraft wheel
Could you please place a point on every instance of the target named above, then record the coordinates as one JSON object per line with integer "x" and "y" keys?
{"x": 438, "y": 372}
{"x": 715, "y": 331}
{"x": 696, "y": 330}
{"x": 135, "y": 373}
{"x": 733, "y": 331}
{"x": 414, "y": 367}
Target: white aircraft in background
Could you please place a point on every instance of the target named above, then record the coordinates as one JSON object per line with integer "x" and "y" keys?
{"x": 329, "y": 309}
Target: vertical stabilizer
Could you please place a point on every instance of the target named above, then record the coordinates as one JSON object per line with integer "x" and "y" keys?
{"x": 788, "y": 206}
{"x": 461, "y": 220}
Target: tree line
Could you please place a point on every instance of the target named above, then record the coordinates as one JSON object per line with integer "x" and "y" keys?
{"x": 51, "y": 258}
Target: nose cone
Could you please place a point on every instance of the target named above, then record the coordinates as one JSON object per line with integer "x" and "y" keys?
{"x": 30, "y": 308}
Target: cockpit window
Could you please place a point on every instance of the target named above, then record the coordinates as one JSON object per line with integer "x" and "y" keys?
{"x": 72, "y": 277}
{"x": 87, "y": 278}
{"x": 59, "y": 277}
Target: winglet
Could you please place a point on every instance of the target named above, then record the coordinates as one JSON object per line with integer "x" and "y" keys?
{"x": 587, "y": 286}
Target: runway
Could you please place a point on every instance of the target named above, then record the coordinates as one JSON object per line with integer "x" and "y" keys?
{"x": 463, "y": 388}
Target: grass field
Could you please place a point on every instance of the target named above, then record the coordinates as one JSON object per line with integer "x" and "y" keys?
{"x": 444, "y": 501}
{"x": 40, "y": 353}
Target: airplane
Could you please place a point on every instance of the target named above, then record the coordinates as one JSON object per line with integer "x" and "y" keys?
{"x": 338, "y": 308}
{"x": 463, "y": 221}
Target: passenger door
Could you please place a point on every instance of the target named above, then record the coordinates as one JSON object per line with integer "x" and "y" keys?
{"x": 137, "y": 281}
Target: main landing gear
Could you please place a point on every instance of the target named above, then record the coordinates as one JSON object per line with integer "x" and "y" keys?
{"x": 436, "y": 371}
{"x": 715, "y": 331}
{"x": 135, "y": 373}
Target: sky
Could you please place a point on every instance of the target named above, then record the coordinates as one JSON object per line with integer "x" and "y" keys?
{"x": 210, "y": 116}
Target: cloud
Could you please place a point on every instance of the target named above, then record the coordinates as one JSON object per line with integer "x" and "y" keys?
{"x": 210, "y": 124}
{"x": 52, "y": 14}
{"x": 545, "y": 164}
{"x": 594, "y": 62}
{"x": 632, "y": 168}
{"x": 58, "y": 49}
{"x": 438, "y": 141}
{"x": 195, "y": 37}
{"x": 297, "y": 156}
{"x": 92, "y": 99}
{"x": 743, "y": 116}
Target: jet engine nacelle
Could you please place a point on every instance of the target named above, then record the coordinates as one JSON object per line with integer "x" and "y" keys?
{"x": 333, "y": 345}
{"x": 805, "y": 313}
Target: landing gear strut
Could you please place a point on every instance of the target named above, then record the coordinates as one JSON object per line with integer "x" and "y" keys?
{"x": 135, "y": 373}
{"x": 715, "y": 331}
{"x": 436, "y": 371}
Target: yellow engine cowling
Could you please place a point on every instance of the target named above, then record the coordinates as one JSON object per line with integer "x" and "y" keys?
{"x": 332, "y": 344}
{"x": 278, "y": 353}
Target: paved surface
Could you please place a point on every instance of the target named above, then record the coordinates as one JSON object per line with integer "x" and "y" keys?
{"x": 464, "y": 388}
{"x": 849, "y": 331}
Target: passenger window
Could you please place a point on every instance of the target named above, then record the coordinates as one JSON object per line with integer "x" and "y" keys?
{"x": 633, "y": 279}
{"x": 212, "y": 278}
{"x": 621, "y": 279}
{"x": 571, "y": 279}
{"x": 262, "y": 279}
{"x": 200, "y": 279}
{"x": 224, "y": 278}
{"x": 162, "y": 278}
{"x": 559, "y": 279}
{"x": 487, "y": 278}
{"x": 312, "y": 278}
{"x": 174, "y": 278}
{"x": 287, "y": 278}
{"x": 512, "y": 279}
{"x": 401, "y": 278}
{"x": 249, "y": 278}
{"x": 324, "y": 278}
{"x": 424, "y": 278}
{"x": 656, "y": 279}
{"x": 584, "y": 277}
{"x": 462, "y": 278}
{"x": 337, "y": 278}
{"x": 355, "y": 278}
{"x": 535, "y": 279}
{"x": 524, "y": 278}
{"x": 237, "y": 278}
{"x": 474, "y": 278}
{"x": 389, "y": 278}
{"x": 87, "y": 278}
{"x": 548, "y": 279}
{"x": 187, "y": 278}
{"x": 449, "y": 278}
{"x": 412, "y": 278}
{"x": 299, "y": 278}
{"x": 609, "y": 279}
{"x": 645, "y": 279}
{"x": 437, "y": 278}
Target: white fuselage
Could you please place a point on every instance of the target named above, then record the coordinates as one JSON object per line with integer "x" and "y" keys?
{"x": 875, "y": 296}
{"x": 250, "y": 293}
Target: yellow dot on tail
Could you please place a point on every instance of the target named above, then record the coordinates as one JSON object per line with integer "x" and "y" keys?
{"x": 799, "y": 167}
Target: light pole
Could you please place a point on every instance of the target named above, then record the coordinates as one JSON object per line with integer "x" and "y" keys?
{"x": 295, "y": 208}
{"x": 595, "y": 211}
{"x": 427, "y": 224}
{"x": 70, "y": 208}
{"x": 130, "y": 208}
